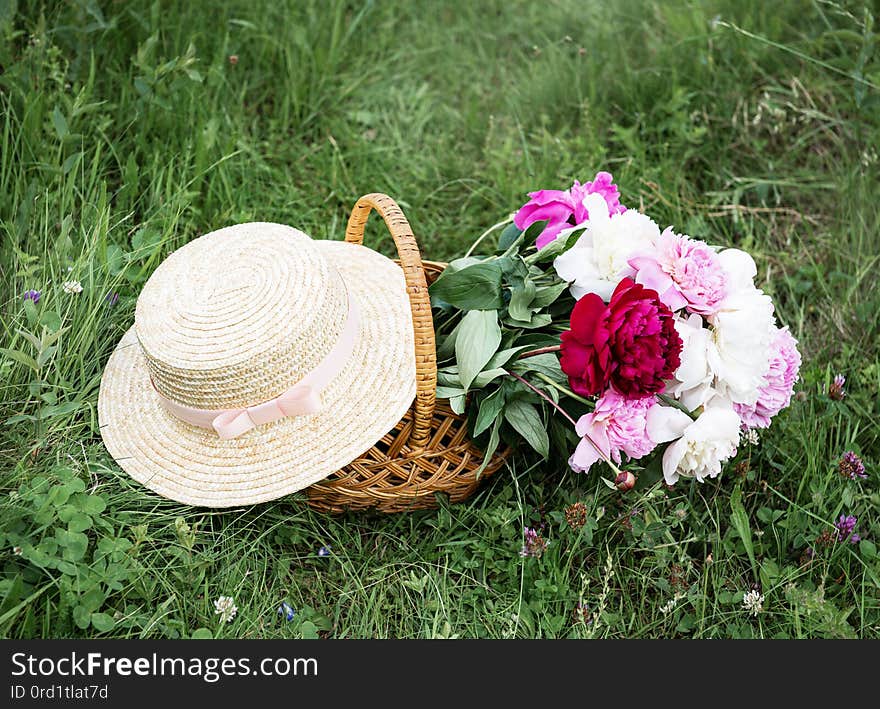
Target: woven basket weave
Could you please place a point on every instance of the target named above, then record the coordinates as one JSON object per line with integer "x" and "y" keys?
{"x": 428, "y": 451}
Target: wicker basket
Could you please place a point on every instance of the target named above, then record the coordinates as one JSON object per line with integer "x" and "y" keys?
{"x": 429, "y": 450}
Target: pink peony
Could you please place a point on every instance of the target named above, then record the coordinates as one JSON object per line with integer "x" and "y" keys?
{"x": 564, "y": 208}
{"x": 684, "y": 271}
{"x": 602, "y": 184}
{"x": 617, "y": 425}
{"x": 785, "y": 362}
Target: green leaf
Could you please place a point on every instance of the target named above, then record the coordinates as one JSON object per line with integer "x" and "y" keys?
{"x": 538, "y": 320}
{"x": 556, "y": 247}
{"x": 769, "y": 573}
{"x": 30, "y": 337}
{"x": 740, "y": 520}
{"x": 547, "y": 295}
{"x": 141, "y": 86}
{"x": 102, "y": 622}
{"x": 457, "y": 403}
{"x": 18, "y": 418}
{"x": 476, "y": 287}
{"x": 521, "y": 300}
{"x": 508, "y": 236}
{"x": 79, "y": 523}
{"x": 66, "y": 513}
{"x": 489, "y": 410}
{"x": 503, "y": 357}
{"x": 70, "y": 163}
{"x": 50, "y": 338}
{"x": 446, "y": 347}
{"x": 59, "y": 495}
{"x": 81, "y": 616}
{"x": 448, "y": 376}
{"x": 21, "y": 358}
{"x": 60, "y": 123}
{"x": 494, "y": 439}
{"x": 50, "y": 320}
{"x": 546, "y": 363}
{"x": 30, "y": 311}
{"x": 477, "y": 341}
{"x": 534, "y": 231}
{"x": 71, "y": 482}
{"x": 145, "y": 242}
{"x": 867, "y": 549}
{"x": 460, "y": 263}
{"x": 67, "y": 407}
{"x": 308, "y": 630}
{"x": 448, "y": 392}
{"x": 75, "y": 544}
{"x": 45, "y": 355}
{"x": 92, "y": 599}
{"x": 514, "y": 269}
{"x": 202, "y": 634}
{"x": 526, "y": 421}
{"x": 66, "y": 567}
{"x": 487, "y": 376}
{"x": 115, "y": 259}
{"x": 14, "y": 590}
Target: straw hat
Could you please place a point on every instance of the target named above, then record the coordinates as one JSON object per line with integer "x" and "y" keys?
{"x": 260, "y": 361}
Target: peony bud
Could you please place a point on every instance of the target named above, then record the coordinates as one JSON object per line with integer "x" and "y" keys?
{"x": 625, "y": 481}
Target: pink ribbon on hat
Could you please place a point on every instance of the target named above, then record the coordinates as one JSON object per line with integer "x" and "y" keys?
{"x": 301, "y": 399}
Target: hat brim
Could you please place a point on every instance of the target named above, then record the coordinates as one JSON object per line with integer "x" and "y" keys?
{"x": 194, "y": 466}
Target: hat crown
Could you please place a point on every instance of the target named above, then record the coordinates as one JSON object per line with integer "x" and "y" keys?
{"x": 239, "y": 315}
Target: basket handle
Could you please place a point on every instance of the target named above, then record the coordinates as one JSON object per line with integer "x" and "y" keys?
{"x": 420, "y": 303}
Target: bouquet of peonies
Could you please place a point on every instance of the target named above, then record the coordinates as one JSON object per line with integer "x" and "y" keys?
{"x": 590, "y": 329}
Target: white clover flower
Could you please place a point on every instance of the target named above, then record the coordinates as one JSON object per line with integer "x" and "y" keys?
{"x": 750, "y": 436}
{"x": 225, "y": 607}
{"x": 72, "y": 287}
{"x": 16, "y": 550}
{"x": 753, "y": 602}
{"x": 599, "y": 259}
{"x": 671, "y": 604}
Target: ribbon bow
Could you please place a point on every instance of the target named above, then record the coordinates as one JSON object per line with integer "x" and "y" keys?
{"x": 299, "y": 400}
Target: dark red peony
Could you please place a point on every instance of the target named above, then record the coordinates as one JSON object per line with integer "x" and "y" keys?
{"x": 631, "y": 343}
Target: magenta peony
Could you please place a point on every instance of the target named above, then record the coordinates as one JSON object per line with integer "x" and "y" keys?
{"x": 785, "y": 363}
{"x": 617, "y": 425}
{"x": 631, "y": 343}
{"x": 684, "y": 271}
{"x": 564, "y": 208}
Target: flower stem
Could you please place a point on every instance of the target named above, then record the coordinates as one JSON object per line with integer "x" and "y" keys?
{"x": 566, "y": 415}
{"x": 540, "y": 350}
{"x": 485, "y": 234}
{"x": 543, "y": 396}
{"x": 556, "y": 385}
{"x": 668, "y": 400}
{"x": 565, "y": 390}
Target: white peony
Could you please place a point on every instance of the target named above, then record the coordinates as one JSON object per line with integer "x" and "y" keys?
{"x": 692, "y": 383}
{"x": 598, "y": 261}
{"x": 700, "y": 447}
{"x": 739, "y": 347}
{"x": 732, "y": 357}
{"x": 740, "y": 268}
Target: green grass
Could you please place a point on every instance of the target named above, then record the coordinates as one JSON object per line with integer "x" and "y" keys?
{"x": 126, "y": 131}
